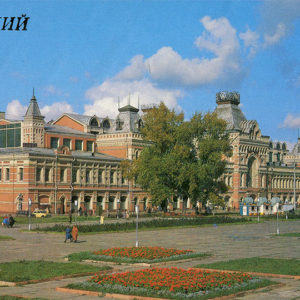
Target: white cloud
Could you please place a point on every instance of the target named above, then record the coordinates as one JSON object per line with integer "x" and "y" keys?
{"x": 168, "y": 66}
{"x": 251, "y": 41}
{"x": 56, "y": 109}
{"x": 15, "y": 110}
{"x": 291, "y": 121}
{"x": 105, "y": 96}
{"x": 135, "y": 70}
{"x": 276, "y": 37}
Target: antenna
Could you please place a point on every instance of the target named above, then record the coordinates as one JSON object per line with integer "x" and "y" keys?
{"x": 33, "y": 92}
{"x": 129, "y": 99}
{"x": 138, "y": 102}
{"x": 118, "y": 102}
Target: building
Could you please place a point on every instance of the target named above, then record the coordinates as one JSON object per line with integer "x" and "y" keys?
{"x": 69, "y": 163}
{"x": 258, "y": 166}
{"x": 74, "y": 161}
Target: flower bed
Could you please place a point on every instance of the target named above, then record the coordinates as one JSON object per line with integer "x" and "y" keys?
{"x": 174, "y": 283}
{"x": 142, "y": 252}
{"x": 136, "y": 255}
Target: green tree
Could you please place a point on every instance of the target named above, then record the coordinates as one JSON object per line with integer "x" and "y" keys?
{"x": 184, "y": 158}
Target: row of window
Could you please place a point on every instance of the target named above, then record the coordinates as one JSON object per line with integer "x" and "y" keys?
{"x": 45, "y": 175}
{"x": 6, "y": 176}
{"x": 54, "y": 144}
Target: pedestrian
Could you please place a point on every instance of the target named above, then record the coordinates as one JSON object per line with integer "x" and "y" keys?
{"x": 5, "y": 222}
{"x": 68, "y": 234}
{"x": 74, "y": 233}
{"x": 70, "y": 217}
{"x": 11, "y": 221}
{"x": 80, "y": 211}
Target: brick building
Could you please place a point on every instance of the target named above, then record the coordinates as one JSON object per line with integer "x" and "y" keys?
{"x": 258, "y": 166}
{"x": 74, "y": 161}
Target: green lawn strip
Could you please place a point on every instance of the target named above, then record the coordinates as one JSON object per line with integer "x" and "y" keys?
{"x": 157, "y": 223}
{"x": 290, "y": 234}
{"x": 23, "y": 270}
{"x": 76, "y": 257}
{"x": 258, "y": 264}
{"x": 7, "y": 297}
{"x": 90, "y": 286}
{"x": 53, "y": 219}
{"x": 5, "y": 238}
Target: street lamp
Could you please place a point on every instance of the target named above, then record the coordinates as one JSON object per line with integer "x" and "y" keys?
{"x": 137, "y": 225}
{"x": 29, "y": 213}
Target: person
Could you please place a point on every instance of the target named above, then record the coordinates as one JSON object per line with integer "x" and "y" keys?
{"x": 74, "y": 233}
{"x": 70, "y": 217}
{"x": 80, "y": 211}
{"x": 68, "y": 234}
{"x": 11, "y": 221}
{"x": 5, "y": 221}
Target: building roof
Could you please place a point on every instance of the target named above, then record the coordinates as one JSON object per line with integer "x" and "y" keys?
{"x": 50, "y": 128}
{"x": 33, "y": 109}
{"x": 52, "y": 152}
{"x": 128, "y": 108}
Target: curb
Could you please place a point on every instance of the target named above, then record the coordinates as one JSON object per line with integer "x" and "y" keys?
{"x": 117, "y": 296}
{"x": 296, "y": 277}
{"x": 7, "y": 283}
{"x": 132, "y": 297}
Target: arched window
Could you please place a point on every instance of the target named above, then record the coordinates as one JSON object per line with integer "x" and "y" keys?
{"x": 94, "y": 122}
{"x": 278, "y": 146}
{"x": 106, "y": 124}
{"x": 284, "y": 146}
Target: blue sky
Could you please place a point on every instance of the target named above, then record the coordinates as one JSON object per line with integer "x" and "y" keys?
{"x": 81, "y": 56}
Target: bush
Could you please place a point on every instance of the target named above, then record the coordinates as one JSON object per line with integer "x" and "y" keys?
{"x": 155, "y": 223}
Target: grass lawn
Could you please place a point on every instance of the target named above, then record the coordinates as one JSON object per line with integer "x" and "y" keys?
{"x": 291, "y": 234}
{"x": 5, "y": 238}
{"x": 7, "y": 297}
{"x": 258, "y": 264}
{"x": 54, "y": 219}
{"x": 32, "y": 270}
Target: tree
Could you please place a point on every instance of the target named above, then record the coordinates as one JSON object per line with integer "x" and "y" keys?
{"x": 184, "y": 158}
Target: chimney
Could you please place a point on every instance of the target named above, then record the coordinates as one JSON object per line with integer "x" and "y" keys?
{"x": 2, "y": 115}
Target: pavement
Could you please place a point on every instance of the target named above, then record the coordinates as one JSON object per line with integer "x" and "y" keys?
{"x": 224, "y": 242}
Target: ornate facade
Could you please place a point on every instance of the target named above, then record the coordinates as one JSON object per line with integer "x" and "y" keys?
{"x": 74, "y": 161}
{"x": 258, "y": 166}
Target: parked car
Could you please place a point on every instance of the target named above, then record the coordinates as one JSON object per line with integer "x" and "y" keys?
{"x": 38, "y": 213}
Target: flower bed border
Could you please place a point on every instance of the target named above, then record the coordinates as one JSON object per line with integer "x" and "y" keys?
{"x": 135, "y": 296}
{"x": 127, "y": 260}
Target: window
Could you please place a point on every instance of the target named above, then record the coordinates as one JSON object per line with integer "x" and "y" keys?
{"x": 10, "y": 135}
{"x": 54, "y": 143}
{"x": 38, "y": 174}
{"x": 89, "y": 146}
{"x": 88, "y": 176}
{"x": 0, "y": 174}
{"x": 7, "y": 174}
{"x": 47, "y": 174}
{"x": 106, "y": 124}
{"x": 67, "y": 142}
{"x": 78, "y": 145}
{"x": 270, "y": 156}
{"x": 62, "y": 174}
{"x": 112, "y": 177}
{"x": 100, "y": 176}
{"x": 74, "y": 175}
{"x": 278, "y": 156}
{"x": 94, "y": 122}
{"x": 21, "y": 174}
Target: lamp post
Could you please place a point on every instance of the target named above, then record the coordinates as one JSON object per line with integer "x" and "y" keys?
{"x": 137, "y": 225}
{"x": 29, "y": 214}
{"x": 294, "y": 183}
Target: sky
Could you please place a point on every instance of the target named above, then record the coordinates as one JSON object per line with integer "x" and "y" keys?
{"x": 85, "y": 56}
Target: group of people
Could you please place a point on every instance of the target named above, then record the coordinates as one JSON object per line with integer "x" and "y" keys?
{"x": 71, "y": 234}
{"x": 8, "y": 221}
